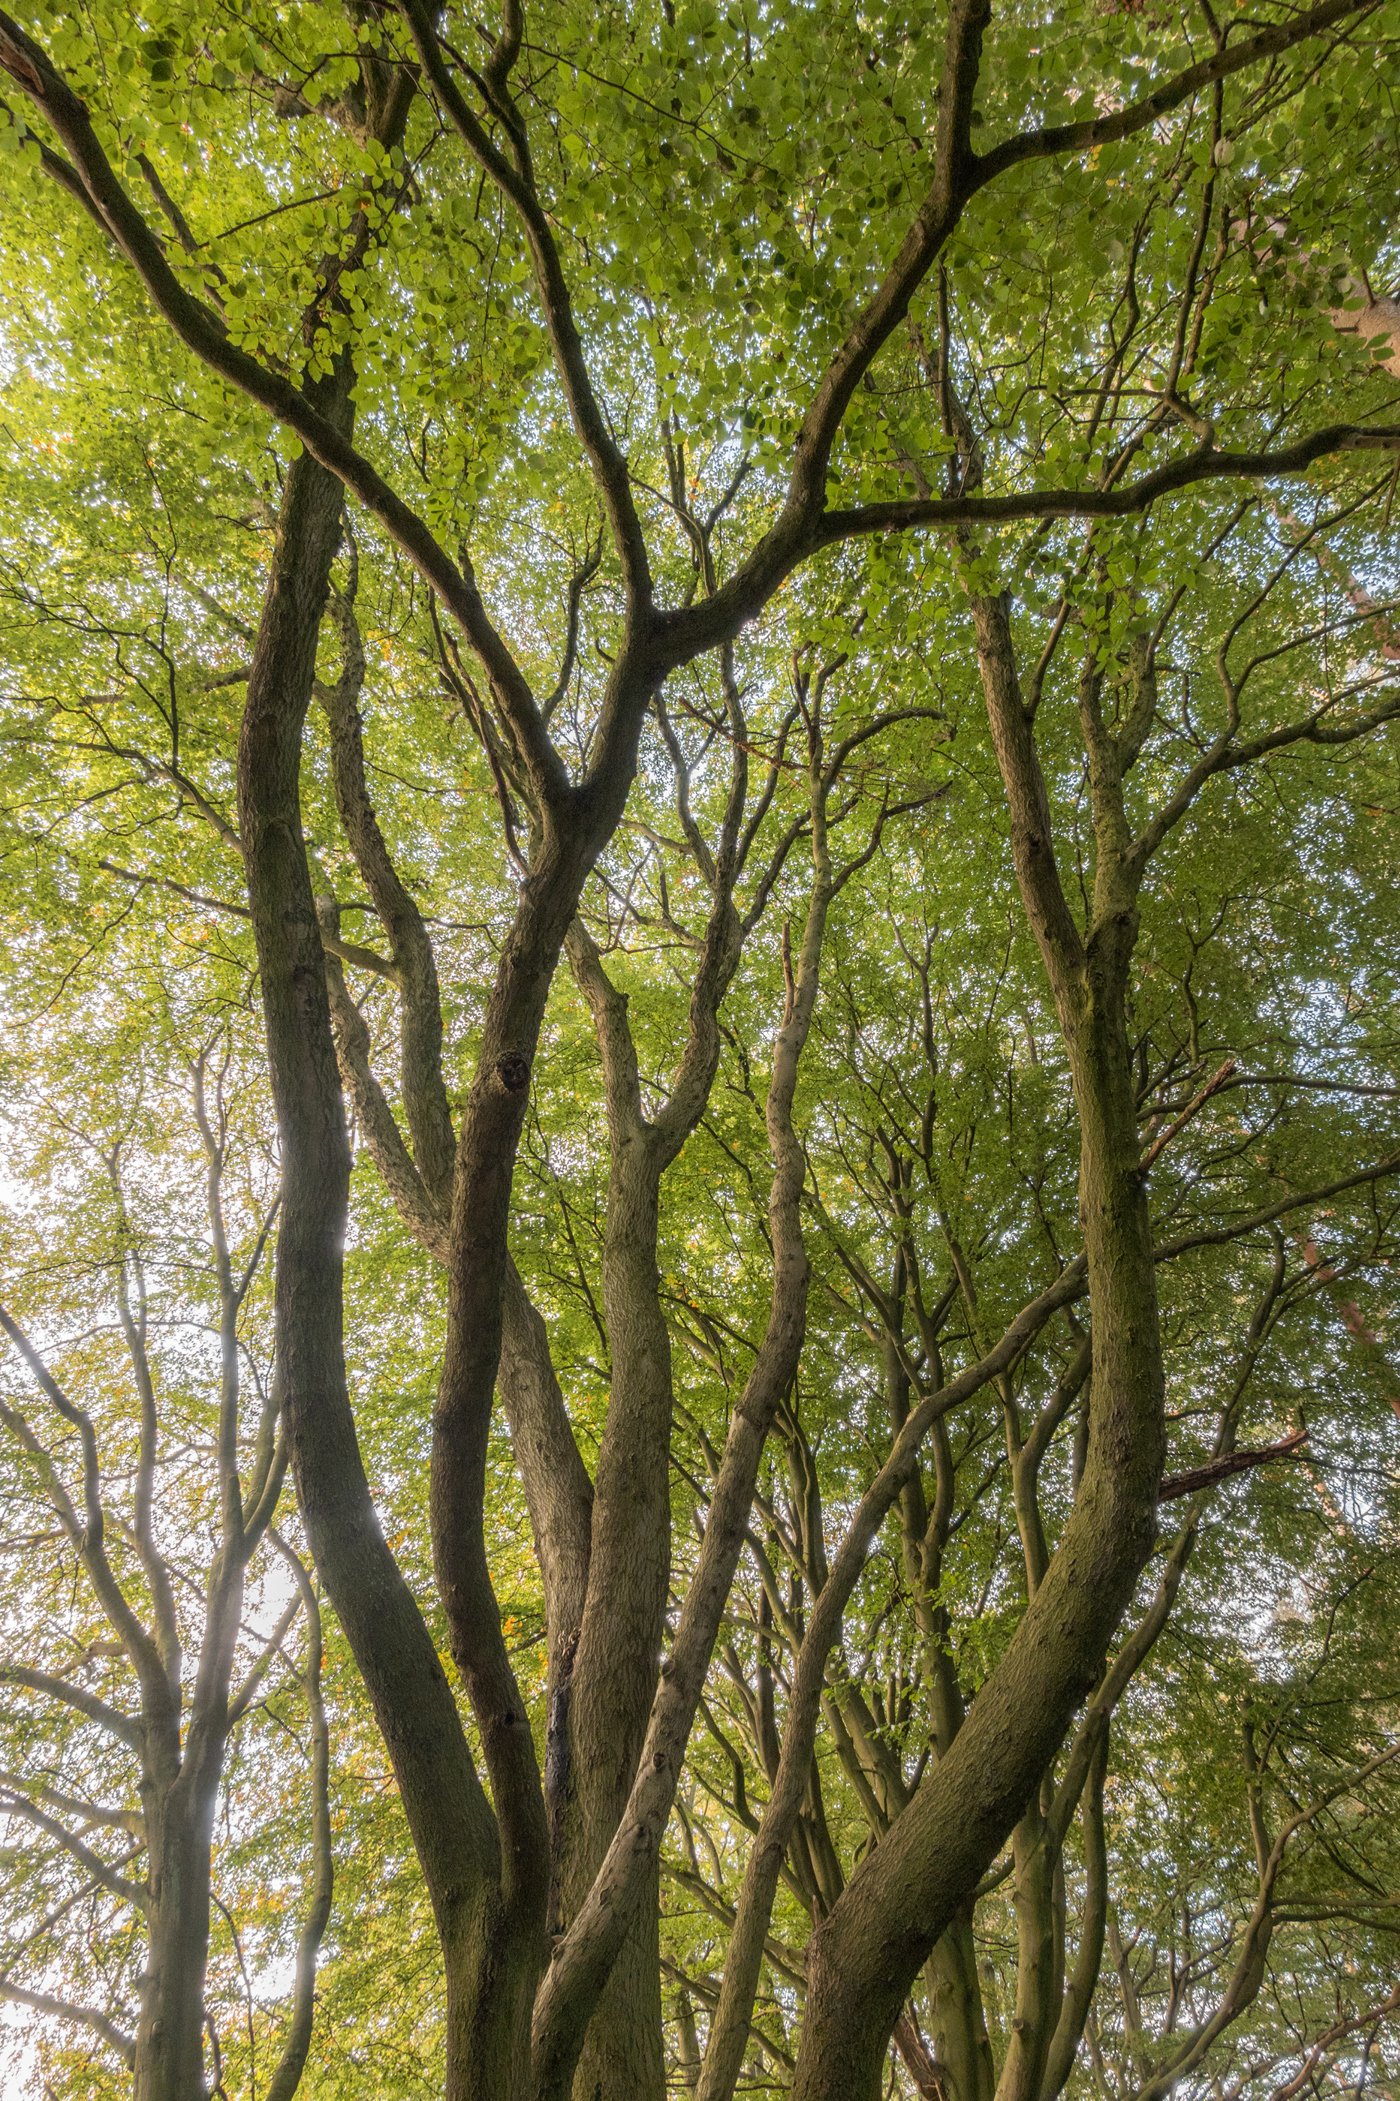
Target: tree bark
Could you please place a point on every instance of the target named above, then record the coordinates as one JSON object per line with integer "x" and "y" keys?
{"x": 453, "y": 1828}
{"x": 902, "y": 1898}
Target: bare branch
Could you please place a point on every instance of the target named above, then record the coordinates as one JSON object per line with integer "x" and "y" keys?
{"x": 64, "y": 2010}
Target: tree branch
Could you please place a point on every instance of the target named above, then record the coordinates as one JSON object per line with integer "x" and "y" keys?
{"x": 202, "y": 331}
{"x": 63, "y": 2010}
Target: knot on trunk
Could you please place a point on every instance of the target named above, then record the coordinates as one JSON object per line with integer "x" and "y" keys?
{"x": 513, "y": 1072}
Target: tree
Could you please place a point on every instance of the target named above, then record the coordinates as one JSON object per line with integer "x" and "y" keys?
{"x": 635, "y": 371}
{"x": 140, "y": 1505}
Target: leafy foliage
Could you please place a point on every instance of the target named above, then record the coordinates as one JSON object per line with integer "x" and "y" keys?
{"x": 1130, "y": 420}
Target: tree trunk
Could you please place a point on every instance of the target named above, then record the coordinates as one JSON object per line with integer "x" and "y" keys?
{"x": 961, "y": 2044}
{"x": 170, "y": 2037}
{"x": 451, "y": 1821}
{"x": 619, "y": 1650}
{"x": 902, "y": 1898}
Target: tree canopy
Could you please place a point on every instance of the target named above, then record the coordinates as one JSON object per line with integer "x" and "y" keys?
{"x": 698, "y": 795}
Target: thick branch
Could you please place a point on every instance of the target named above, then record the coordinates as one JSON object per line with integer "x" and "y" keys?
{"x": 202, "y": 331}
{"x": 1149, "y": 109}
{"x": 64, "y": 2010}
{"x": 1240, "y": 1462}
{"x": 93, "y": 1864}
{"x": 122, "y": 1726}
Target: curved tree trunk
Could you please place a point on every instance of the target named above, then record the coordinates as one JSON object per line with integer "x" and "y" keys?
{"x": 903, "y": 1897}
{"x": 453, "y": 1828}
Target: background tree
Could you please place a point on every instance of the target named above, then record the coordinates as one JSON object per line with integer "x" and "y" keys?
{"x": 140, "y": 1493}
